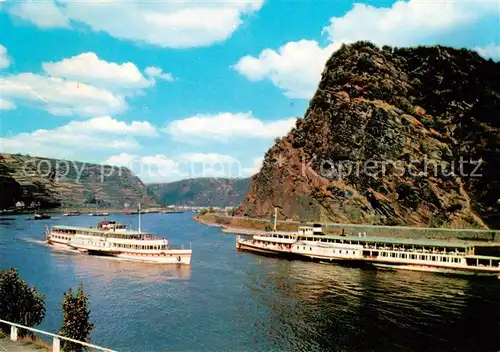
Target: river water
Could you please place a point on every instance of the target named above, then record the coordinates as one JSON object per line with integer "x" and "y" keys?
{"x": 232, "y": 301}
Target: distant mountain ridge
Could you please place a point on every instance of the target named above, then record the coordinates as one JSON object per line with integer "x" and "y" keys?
{"x": 53, "y": 183}
{"x": 201, "y": 191}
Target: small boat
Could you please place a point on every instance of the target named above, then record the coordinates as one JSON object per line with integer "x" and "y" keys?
{"x": 172, "y": 212}
{"x": 98, "y": 214}
{"x": 72, "y": 213}
{"x": 41, "y": 216}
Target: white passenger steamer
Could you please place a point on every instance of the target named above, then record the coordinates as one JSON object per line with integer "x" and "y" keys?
{"x": 410, "y": 254}
{"x": 112, "y": 239}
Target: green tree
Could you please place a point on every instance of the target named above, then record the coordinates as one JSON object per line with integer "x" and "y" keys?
{"x": 76, "y": 319}
{"x": 19, "y": 302}
{"x": 203, "y": 211}
{"x": 89, "y": 197}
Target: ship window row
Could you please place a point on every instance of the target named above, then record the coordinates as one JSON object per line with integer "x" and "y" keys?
{"x": 416, "y": 248}
{"x": 121, "y": 245}
{"x": 133, "y": 246}
{"x": 433, "y": 258}
{"x": 61, "y": 237}
{"x": 270, "y": 243}
{"x": 110, "y": 234}
{"x": 345, "y": 252}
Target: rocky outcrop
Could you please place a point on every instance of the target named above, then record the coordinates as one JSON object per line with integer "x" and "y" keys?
{"x": 392, "y": 136}
{"x": 51, "y": 183}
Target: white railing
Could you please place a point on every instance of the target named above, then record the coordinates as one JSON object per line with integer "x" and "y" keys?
{"x": 56, "y": 339}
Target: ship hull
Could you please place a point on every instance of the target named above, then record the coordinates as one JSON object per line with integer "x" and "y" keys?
{"x": 436, "y": 269}
{"x": 172, "y": 256}
{"x": 247, "y": 247}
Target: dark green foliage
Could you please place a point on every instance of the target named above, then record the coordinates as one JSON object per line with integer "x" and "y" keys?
{"x": 10, "y": 190}
{"x": 89, "y": 198}
{"x": 76, "y": 319}
{"x": 19, "y": 302}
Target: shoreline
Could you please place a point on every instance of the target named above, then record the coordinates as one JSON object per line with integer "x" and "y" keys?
{"x": 84, "y": 210}
{"x": 245, "y": 226}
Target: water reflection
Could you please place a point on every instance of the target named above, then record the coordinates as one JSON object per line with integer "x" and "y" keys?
{"x": 109, "y": 269}
{"x": 328, "y": 307}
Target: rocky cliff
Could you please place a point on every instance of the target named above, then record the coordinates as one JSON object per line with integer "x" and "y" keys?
{"x": 62, "y": 183}
{"x": 202, "y": 191}
{"x": 392, "y": 136}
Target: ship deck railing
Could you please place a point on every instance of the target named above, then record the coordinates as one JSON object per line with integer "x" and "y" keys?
{"x": 106, "y": 233}
{"x": 56, "y": 339}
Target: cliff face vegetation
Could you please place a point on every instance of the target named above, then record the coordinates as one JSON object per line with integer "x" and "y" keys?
{"x": 51, "y": 183}
{"x": 391, "y": 136}
{"x": 203, "y": 191}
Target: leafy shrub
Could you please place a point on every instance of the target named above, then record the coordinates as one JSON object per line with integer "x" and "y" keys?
{"x": 19, "y": 302}
{"x": 76, "y": 319}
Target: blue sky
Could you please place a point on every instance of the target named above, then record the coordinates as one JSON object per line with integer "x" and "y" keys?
{"x": 194, "y": 88}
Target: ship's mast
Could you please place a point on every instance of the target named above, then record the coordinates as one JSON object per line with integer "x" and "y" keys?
{"x": 139, "y": 217}
{"x": 275, "y": 217}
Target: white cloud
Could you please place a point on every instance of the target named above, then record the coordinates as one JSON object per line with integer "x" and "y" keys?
{"x": 122, "y": 159}
{"x": 82, "y": 85}
{"x": 152, "y": 168}
{"x": 6, "y": 105}
{"x": 159, "y": 160}
{"x": 88, "y": 68}
{"x": 171, "y": 24}
{"x": 61, "y": 97}
{"x": 207, "y": 158}
{"x": 209, "y": 165}
{"x": 4, "y": 57}
{"x": 45, "y": 14}
{"x": 161, "y": 168}
{"x": 77, "y": 138}
{"x": 405, "y": 23}
{"x": 296, "y": 67}
{"x": 226, "y": 126}
{"x": 156, "y": 72}
{"x": 109, "y": 125}
{"x": 255, "y": 168}
{"x": 489, "y": 51}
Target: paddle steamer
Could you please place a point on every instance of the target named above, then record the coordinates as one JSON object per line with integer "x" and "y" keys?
{"x": 113, "y": 239}
{"x": 411, "y": 254}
